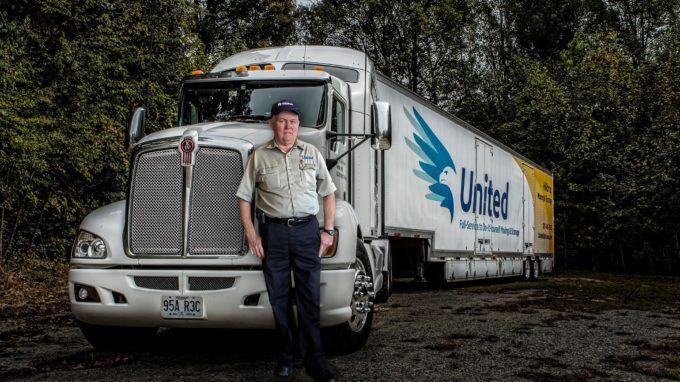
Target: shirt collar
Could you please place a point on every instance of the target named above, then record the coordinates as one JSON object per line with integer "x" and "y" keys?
{"x": 272, "y": 144}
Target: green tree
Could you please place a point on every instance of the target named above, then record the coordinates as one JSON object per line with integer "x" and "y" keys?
{"x": 420, "y": 44}
{"x": 72, "y": 71}
{"x": 231, "y": 26}
{"x": 603, "y": 93}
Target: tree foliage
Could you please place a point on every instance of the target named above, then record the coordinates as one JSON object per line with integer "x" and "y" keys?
{"x": 230, "y": 26}
{"x": 587, "y": 88}
{"x": 72, "y": 72}
{"x": 584, "y": 87}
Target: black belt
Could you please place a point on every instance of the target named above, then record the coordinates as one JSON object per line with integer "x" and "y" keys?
{"x": 290, "y": 222}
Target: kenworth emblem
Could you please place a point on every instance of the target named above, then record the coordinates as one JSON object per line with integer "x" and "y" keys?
{"x": 188, "y": 146}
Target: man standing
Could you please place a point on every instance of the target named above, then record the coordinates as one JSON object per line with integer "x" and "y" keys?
{"x": 288, "y": 174}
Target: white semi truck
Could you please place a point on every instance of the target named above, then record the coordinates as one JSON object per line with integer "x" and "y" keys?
{"x": 420, "y": 193}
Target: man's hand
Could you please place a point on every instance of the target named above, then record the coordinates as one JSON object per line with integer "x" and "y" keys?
{"x": 328, "y": 221}
{"x": 254, "y": 240}
{"x": 255, "y": 245}
{"x": 326, "y": 241}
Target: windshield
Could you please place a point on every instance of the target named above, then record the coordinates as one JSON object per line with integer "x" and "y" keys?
{"x": 249, "y": 101}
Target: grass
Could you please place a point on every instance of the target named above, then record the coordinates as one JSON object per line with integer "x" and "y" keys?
{"x": 33, "y": 285}
{"x": 596, "y": 292}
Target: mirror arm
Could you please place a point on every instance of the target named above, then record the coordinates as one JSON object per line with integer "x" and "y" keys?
{"x": 336, "y": 160}
{"x": 333, "y": 135}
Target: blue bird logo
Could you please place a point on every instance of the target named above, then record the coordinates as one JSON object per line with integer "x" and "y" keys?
{"x": 436, "y": 167}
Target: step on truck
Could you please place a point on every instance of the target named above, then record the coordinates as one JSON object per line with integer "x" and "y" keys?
{"x": 420, "y": 193}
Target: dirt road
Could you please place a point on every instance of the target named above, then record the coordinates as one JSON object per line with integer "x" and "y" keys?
{"x": 564, "y": 328}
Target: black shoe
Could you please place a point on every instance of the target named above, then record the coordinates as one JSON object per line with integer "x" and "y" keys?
{"x": 325, "y": 377}
{"x": 284, "y": 371}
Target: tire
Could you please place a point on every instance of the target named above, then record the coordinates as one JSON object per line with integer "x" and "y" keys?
{"x": 527, "y": 269}
{"x": 535, "y": 269}
{"x": 105, "y": 338}
{"x": 353, "y": 334}
{"x": 388, "y": 283}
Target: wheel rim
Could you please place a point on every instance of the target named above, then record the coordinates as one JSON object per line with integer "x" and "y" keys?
{"x": 362, "y": 298}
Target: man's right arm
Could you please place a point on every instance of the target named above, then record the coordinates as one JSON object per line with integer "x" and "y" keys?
{"x": 254, "y": 240}
{"x": 245, "y": 197}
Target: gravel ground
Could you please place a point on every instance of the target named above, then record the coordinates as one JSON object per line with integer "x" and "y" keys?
{"x": 452, "y": 333}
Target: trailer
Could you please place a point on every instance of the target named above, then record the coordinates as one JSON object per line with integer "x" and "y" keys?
{"x": 457, "y": 204}
{"x": 419, "y": 193}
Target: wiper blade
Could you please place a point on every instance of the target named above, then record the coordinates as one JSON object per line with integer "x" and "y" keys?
{"x": 248, "y": 117}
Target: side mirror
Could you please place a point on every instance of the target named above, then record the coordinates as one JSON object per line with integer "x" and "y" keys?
{"x": 381, "y": 126}
{"x": 135, "y": 130}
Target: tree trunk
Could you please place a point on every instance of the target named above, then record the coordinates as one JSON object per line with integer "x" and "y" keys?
{"x": 623, "y": 261}
{"x": 2, "y": 229}
{"x": 42, "y": 211}
{"x": 18, "y": 220}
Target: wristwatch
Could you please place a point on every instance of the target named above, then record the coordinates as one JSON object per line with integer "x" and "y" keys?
{"x": 330, "y": 232}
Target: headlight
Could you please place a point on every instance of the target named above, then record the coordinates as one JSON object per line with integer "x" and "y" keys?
{"x": 89, "y": 246}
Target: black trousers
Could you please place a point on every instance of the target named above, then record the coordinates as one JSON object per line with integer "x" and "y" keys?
{"x": 295, "y": 248}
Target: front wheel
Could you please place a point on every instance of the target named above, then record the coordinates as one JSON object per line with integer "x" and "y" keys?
{"x": 116, "y": 337}
{"x": 353, "y": 334}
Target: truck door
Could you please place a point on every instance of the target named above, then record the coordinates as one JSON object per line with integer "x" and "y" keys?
{"x": 337, "y": 146}
{"x": 483, "y": 166}
{"x": 527, "y": 212}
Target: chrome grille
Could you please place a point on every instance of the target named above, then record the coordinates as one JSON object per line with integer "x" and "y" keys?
{"x": 156, "y": 204}
{"x": 157, "y": 282}
{"x": 155, "y": 225}
{"x": 215, "y": 227}
{"x": 210, "y": 283}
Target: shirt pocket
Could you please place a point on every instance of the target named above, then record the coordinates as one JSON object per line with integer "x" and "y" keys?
{"x": 268, "y": 178}
{"x": 308, "y": 176}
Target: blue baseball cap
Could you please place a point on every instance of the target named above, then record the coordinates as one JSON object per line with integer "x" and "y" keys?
{"x": 285, "y": 105}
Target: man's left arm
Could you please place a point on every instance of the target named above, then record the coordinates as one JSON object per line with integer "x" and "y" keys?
{"x": 328, "y": 221}
{"x": 326, "y": 188}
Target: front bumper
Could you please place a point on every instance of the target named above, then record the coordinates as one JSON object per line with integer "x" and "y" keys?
{"x": 222, "y": 308}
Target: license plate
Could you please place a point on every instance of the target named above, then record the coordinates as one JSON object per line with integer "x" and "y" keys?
{"x": 182, "y": 307}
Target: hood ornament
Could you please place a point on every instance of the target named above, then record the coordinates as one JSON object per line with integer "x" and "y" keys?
{"x": 188, "y": 146}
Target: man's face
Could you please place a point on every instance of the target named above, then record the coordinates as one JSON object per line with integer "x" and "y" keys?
{"x": 285, "y": 126}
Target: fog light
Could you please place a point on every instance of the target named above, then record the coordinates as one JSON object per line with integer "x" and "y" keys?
{"x": 82, "y": 294}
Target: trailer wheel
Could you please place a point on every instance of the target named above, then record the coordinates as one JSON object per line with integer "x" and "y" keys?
{"x": 535, "y": 269}
{"x": 527, "y": 269}
{"x": 353, "y": 334}
{"x": 386, "y": 291}
{"x": 117, "y": 337}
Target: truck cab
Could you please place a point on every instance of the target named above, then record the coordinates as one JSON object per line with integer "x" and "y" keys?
{"x": 174, "y": 254}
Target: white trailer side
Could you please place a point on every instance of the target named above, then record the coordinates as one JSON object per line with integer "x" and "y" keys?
{"x": 479, "y": 209}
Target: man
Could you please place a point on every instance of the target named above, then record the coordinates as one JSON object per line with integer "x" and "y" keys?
{"x": 288, "y": 174}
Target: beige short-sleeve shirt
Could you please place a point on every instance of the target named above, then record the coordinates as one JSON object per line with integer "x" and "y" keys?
{"x": 287, "y": 183}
